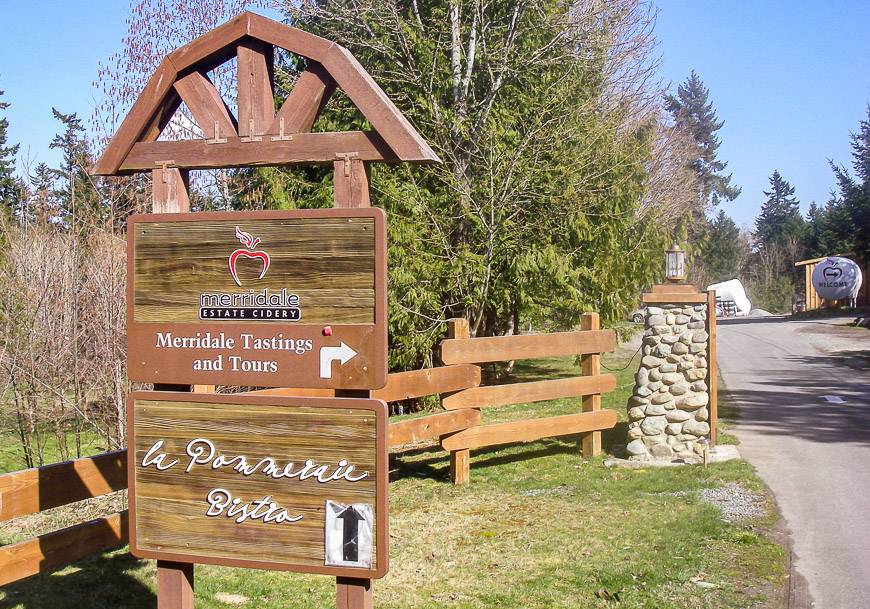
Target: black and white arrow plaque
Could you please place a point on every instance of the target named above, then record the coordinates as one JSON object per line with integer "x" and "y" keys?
{"x": 349, "y": 534}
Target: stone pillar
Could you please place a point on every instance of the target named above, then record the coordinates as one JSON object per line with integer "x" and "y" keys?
{"x": 668, "y": 411}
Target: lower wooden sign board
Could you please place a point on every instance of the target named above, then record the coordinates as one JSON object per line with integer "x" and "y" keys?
{"x": 293, "y": 484}
{"x": 293, "y": 298}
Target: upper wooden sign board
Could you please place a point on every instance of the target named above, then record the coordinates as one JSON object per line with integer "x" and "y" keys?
{"x": 274, "y": 299}
{"x": 295, "y": 484}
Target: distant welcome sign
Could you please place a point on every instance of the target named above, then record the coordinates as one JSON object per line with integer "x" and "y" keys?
{"x": 279, "y": 299}
{"x": 230, "y": 480}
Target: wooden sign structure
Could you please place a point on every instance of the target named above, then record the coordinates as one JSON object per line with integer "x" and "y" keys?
{"x": 259, "y": 136}
{"x": 257, "y": 481}
{"x": 273, "y": 299}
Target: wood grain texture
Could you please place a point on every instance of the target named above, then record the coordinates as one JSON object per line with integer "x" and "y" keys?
{"x": 33, "y": 490}
{"x": 535, "y": 391}
{"x": 174, "y": 585}
{"x": 590, "y": 365}
{"x": 352, "y": 190}
{"x": 371, "y": 100}
{"x": 527, "y": 431}
{"x": 712, "y": 365}
{"x": 138, "y": 119}
{"x": 304, "y": 148}
{"x": 674, "y": 288}
{"x": 428, "y": 381}
{"x": 306, "y": 100}
{"x": 328, "y": 261}
{"x": 207, "y": 106}
{"x": 169, "y": 190}
{"x": 431, "y": 426}
{"x": 255, "y": 99}
{"x": 674, "y": 298}
{"x": 48, "y": 552}
{"x": 168, "y": 509}
{"x": 460, "y": 460}
{"x": 353, "y": 593}
{"x": 526, "y": 346}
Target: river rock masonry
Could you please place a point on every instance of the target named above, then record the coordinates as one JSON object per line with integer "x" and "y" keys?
{"x": 668, "y": 410}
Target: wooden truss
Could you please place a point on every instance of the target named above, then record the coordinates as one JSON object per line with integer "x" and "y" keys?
{"x": 259, "y": 135}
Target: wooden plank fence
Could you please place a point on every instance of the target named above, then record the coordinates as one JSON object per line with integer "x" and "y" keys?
{"x": 458, "y": 429}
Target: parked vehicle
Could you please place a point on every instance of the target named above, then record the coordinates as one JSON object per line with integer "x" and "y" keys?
{"x": 638, "y": 315}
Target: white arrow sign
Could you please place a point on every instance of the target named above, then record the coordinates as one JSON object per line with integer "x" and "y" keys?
{"x": 342, "y": 353}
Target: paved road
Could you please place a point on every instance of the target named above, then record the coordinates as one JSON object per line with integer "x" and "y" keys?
{"x": 813, "y": 453}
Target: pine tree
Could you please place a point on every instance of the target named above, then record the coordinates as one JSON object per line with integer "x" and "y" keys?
{"x": 780, "y": 218}
{"x": 853, "y": 225}
{"x": 9, "y": 185}
{"x": 77, "y": 194}
{"x": 725, "y": 250}
{"x": 693, "y": 111}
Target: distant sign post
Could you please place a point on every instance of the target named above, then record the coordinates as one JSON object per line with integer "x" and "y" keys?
{"x": 277, "y": 299}
{"x": 296, "y": 484}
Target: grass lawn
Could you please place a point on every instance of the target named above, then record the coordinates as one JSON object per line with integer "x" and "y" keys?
{"x": 538, "y": 527}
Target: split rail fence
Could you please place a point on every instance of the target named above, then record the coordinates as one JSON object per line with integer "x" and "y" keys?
{"x": 458, "y": 429}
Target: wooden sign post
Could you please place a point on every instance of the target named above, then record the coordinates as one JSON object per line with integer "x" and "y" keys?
{"x": 190, "y": 276}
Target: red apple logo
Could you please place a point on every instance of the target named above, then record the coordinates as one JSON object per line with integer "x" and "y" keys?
{"x": 250, "y": 244}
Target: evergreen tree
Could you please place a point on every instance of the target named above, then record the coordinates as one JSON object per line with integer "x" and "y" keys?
{"x": 77, "y": 194}
{"x": 9, "y": 185}
{"x": 780, "y": 218}
{"x": 724, "y": 251}
{"x": 693, "y": 111}
{"x": 853, "y": 225}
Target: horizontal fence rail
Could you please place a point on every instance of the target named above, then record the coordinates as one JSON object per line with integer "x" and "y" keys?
{"x": 458, "y": 429}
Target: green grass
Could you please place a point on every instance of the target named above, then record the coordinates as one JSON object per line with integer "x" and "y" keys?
{"x": 538, "y": 527}
{"x": 12, "y": 456}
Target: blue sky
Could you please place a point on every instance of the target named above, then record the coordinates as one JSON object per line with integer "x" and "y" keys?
{"x": 791, "y": 80}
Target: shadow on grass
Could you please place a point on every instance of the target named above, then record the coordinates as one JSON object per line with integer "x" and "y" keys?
{"x": 433, "y": 462}
{"x": 105, "y": 581}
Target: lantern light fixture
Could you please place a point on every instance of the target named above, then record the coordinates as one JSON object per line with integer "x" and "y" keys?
{"x": 675, "y": 264}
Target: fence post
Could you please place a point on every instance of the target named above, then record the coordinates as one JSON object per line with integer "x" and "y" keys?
{"x": 460, "y": 460}
{"x": 591, "y": 365}
{"x": 712, "y": 369}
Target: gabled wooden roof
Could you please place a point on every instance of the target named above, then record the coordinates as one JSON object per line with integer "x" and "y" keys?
{"x": 259, "y": 135}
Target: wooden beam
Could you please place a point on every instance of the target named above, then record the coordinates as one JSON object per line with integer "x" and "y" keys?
{"x": 161, "y": 118}
{"x": 169, "y": 191}
{"x": 429, "y": 381}
{"x": 304, "y": 148}
{"x": 40, "y": 488}
{"x": 174, "y": 585}
{"x": 590, "y": 365}
{"x": 305, "y": 102}
{"x": 255, "y": 98}
{"x": 460, "y": 459}
{"x": 353, "y": 190}
{"x": 528, "y": 431}
{"x": 289, "y": 38}
{"x": 380, "y": 111}
{"x": 353, "y": 593}
{"x": 526, "y": 346}
{"x": 675, "y": 288}
{"x": 138, "y": 120}
{"x": 213, "y": 48}
{"x": 712, "y": 366}
{"x": 53, "y": 550}
{"x": 207, "y": 106}
{"x": 535, "y": 391}
{"x": 298, "y": 392}
{"x": 674, "y": 298}
{"x": 431, "y": 426}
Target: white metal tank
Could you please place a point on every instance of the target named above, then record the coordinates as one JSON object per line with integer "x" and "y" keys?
{"x": 837, "y": 278}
